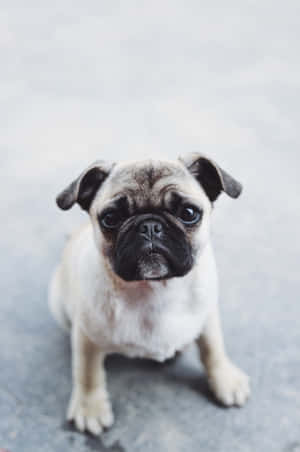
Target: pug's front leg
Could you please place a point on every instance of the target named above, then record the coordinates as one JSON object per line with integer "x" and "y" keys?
{"x": 229, "y": 384}
{"x": 89, "y": 407}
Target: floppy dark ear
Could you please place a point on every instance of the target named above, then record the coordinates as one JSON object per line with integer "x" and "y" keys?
{"x": 83, "y": 189}
{"x": 212, "y": 178}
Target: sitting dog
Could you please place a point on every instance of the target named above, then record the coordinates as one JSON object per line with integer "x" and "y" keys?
{"x": 140, "y": 278}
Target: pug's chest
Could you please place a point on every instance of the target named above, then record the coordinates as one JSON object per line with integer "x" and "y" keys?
{"x": 152, "y": 327}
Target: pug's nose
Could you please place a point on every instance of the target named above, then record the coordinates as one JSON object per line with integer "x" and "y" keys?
{"x": 150, "y": 229}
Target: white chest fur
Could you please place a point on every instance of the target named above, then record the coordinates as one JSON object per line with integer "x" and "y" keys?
{"x": 149, "y": 319}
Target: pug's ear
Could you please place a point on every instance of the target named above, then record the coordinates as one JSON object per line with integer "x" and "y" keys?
{"x": 212, "y": 178}
{"x": 83, "y": 189}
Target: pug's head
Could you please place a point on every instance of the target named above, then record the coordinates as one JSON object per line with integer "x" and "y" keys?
{"x": 150, "y": 218}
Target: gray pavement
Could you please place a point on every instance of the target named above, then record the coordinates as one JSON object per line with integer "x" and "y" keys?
{"x": 87, "y": 80}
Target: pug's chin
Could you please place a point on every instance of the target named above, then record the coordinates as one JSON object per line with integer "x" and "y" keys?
{"x": 153, "y": 267}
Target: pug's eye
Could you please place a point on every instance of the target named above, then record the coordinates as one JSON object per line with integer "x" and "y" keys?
{"x": 110, "y": 220}
{"x": 189, "y": 215}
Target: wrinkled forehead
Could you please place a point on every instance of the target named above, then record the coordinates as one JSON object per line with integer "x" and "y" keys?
{"x": 150, "y": 183}
{"x": 147, "y": 175}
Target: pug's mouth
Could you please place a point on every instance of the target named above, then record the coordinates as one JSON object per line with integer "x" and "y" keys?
{"x": 136, "y": 258}
{"x": 152, "y": 266}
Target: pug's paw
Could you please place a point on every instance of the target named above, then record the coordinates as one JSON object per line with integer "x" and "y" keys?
{"x": 90, "y": 410}
{"x": 229, "y": 384}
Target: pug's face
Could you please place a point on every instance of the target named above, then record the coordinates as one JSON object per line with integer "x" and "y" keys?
{"x": 150, "y": 218}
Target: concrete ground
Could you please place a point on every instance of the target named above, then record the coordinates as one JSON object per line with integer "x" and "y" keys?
{"x": 110, "y": 79}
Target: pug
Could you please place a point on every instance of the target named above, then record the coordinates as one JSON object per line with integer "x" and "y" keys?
{"x": 140, "y": 278}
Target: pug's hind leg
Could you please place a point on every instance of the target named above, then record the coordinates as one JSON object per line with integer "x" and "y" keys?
{"x": 228, "y": 383}
{"x": 89, "y": 407}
